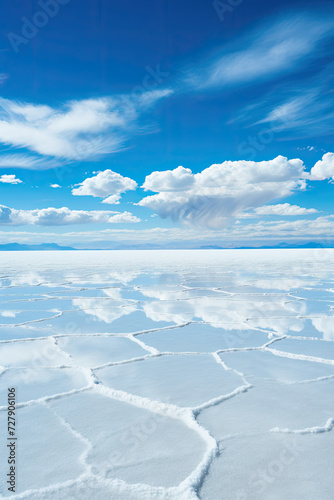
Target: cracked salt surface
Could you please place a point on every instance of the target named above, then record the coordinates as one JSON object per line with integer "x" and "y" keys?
{"x": 316, "y": 348}
{"x": 205, "y": 338}
{"x": 271, "y": 364}
{"x": 271, "y": 405}
{"x": 36, "y": 383}
{"x": 169, "y": 375}
{"x": 94, "y": 351}
{"x": 128, "y": 442}
{"x": 186, "y": 380}
{"x": 272, "y": 467}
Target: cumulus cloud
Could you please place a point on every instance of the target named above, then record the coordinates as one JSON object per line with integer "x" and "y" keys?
{"x": 5, "y": 213}
{"x": 123, "y": 217}
{"x": 323, "y": 169}
{"x": 104, "y": 310}
{"x": 224, "y": 190}
{"x": 179, "y": 179}
{"x": 220, "y": 312}
{"x": 325, "y": 325}
{"x": 111, "y": 200}
{"x": 105, "y": 184}
{"x": 78, "y": 130}
{"x": 61, "y": 216}
{"x": 55, "y": 186}
{"x": 10, "y": 179}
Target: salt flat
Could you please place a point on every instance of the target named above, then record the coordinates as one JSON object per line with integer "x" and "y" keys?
{"x": 168, "y": 375}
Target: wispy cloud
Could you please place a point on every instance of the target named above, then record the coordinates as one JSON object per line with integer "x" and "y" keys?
{"x": 79, "y": 130}
{"x": 27, "y": 161}
{"x": 3, "y": 78}
{"x": 270, "y": 51}
{"x": 88, "y": 129}
{"x": 309, "y": 110}
{"x": 302, "y": 106}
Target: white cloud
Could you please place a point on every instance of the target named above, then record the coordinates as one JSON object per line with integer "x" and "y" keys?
{"x": 61, "y": 216}
{"x": 77, "y": 131}
{"x": 323, "y": 169}
{"x": 223, "y": 190}
{"x": 325, "y": 325}
{"x": 291, "y": 111}
{"x": 55, "y": 186}
{"x": 284, "y": 209}
{"x": 321, "y": 227}
{"x": 4, "y": 214}
{"x": 277, "y": 49}
{"x": 220, "y": 312}
{"x": 320, "y": 230}
{"x": 10, "y": 179}
{"x": 179, "y": 179}
{"x": 3, "y": 78}
{"x": 9, "y": 314}
{"x": 310, "y": 109}
{"x": 123, "y": 217}
{"x": 104, "y": 310}
{"x": 105, "y": 184}
{"x": 111, "y": 200}
{"x": 28, "y": 162}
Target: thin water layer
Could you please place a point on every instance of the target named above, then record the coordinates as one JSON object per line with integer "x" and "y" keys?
{"x": 170, "y": 375}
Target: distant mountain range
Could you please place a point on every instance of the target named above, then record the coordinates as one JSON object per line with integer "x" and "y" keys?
{"x": 278, "y": 246}
{"x": 43, "y": 246}
{"x": 149, "y": 246}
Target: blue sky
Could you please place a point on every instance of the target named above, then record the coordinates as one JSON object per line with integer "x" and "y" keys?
{"x": 175, "y": 123}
